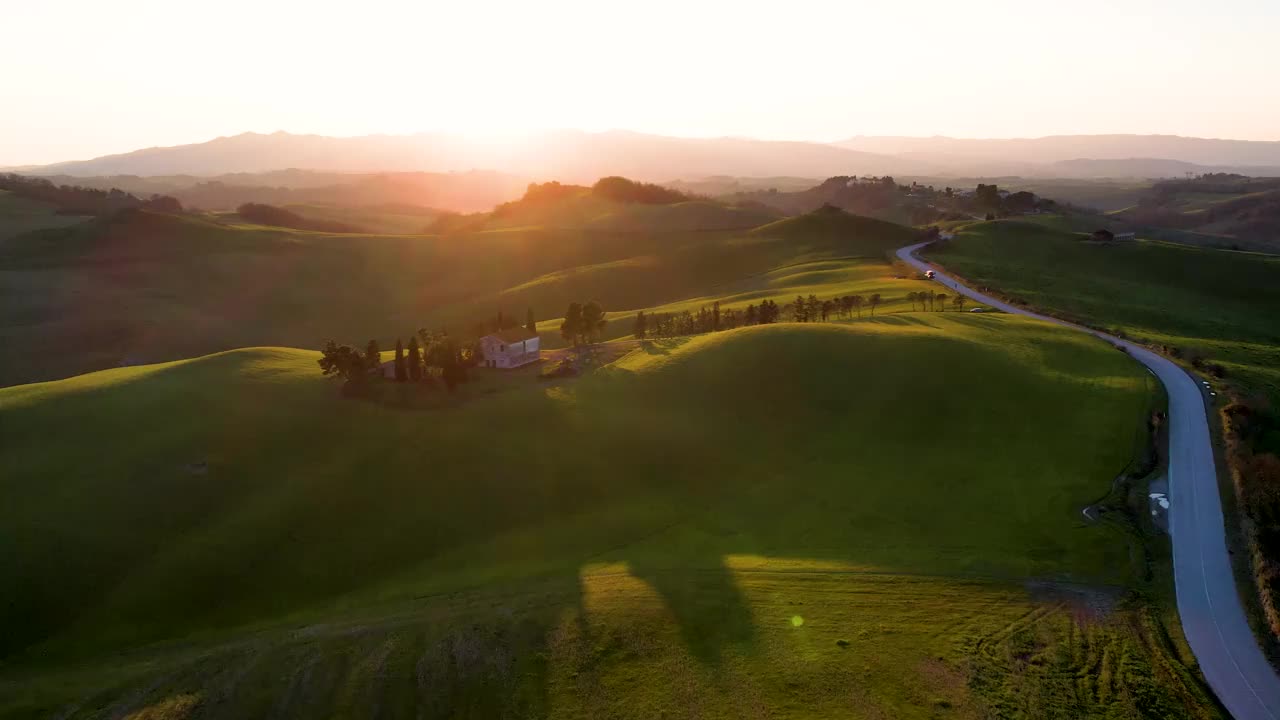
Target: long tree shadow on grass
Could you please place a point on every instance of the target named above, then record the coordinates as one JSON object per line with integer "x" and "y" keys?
{"x": 708, "y": 606}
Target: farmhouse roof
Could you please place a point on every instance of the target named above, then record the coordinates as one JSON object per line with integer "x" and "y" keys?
{"x": 513, "y": 335}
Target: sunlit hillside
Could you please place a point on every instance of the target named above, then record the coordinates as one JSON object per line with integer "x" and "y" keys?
{"x": 144, "y": 287}
{"x": 437, "y": 563}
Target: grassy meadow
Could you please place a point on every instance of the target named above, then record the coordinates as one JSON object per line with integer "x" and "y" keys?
{"x": 1222, "y": 304}
{"x": 878, "y": 518}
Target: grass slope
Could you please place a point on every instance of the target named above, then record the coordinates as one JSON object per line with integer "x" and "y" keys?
{"x": 1215, "y": 304}
{"x": 880, "y": 518}
{"x": 824, "y": 278}
{"x": 1220, "y": 302}
{"x": 875, "y": 236}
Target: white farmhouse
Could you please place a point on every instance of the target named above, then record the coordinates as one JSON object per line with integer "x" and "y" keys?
{"x": 510, "y": 348}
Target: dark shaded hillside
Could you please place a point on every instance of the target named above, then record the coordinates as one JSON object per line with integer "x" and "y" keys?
{"x": 1254, "y": 217}
{"x": 874, "y": 197}
{"x": 863, "y": 235}
{"x": 1243, "y": 212}
{"x": 612, "y": 204}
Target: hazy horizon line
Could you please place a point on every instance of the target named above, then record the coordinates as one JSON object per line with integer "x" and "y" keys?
{"x": 491, "y": 135}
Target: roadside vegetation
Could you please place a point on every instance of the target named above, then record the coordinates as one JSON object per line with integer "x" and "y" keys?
{"x": 1215, "y": 311}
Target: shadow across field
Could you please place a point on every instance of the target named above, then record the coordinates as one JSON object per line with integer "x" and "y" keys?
{"x": 402, "y": 567}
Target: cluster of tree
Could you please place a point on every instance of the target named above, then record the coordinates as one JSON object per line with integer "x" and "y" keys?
{"x": 263, "y": 214}
{"x": 802, "y": 309}
{"x": 937, "y": 302}
{"x": 447, "y": 223}
{"x": 811, "y": 309}
{"x": 1205, "y": 366}
{"x": 583, "y": 323}
{"x": 705, "y": 320}
{"x": 428, "y": 357}
{"x": 547, "y": 192}
{"x": 535, "y": 195}
{"x": 883, "y": 197}
{"x": 987, "y": 197}
{"x": 871, "y": 196}
{"x": 76, "y": 200}
{"x": 620, "y": 189}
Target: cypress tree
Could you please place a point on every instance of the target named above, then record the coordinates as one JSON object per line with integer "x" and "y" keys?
{"x": 415, "y": 360}
{"x": 400, "y": 373}
{"x": 571, "y": 329}
{"x": 529, "y": 323}
{"x": 373, "y": 357}
{"x": 641, "y": 326}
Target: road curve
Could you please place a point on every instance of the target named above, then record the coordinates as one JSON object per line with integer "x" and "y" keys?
{"x": 1212, "y": 617}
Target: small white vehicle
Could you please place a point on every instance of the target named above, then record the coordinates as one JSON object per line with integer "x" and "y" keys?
{"x": 930, "y": 274}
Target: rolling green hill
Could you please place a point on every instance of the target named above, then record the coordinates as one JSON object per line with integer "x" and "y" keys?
{"x": 146, "y": 287}
{"x": 831, "y": 224}
{"x": 1218, "y": 302}
{"x": 827, "y": 278}
{"x": 879, "y": 517}
{"x": 1212, "y": 308}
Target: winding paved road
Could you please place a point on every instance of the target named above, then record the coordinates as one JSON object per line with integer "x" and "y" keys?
{"x": 1212, "y": 616}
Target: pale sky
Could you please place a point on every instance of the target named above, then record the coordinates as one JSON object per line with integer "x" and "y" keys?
{"x": 82, "y": 78}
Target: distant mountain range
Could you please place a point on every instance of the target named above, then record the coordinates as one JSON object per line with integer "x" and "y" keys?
{"x": 577, "y": 156}
{"x": 571, "y": 156}
{"x": 1056, "y": 148}
{"x": 1081, "y": 155}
